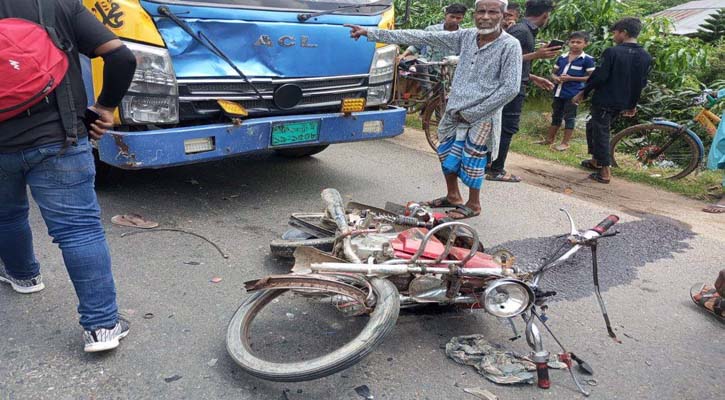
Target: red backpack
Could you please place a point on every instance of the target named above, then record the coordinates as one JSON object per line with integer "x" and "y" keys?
{"x": 33, "y": 61}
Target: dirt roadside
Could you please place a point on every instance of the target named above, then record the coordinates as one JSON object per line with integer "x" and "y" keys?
{"x": 629, "y": 197}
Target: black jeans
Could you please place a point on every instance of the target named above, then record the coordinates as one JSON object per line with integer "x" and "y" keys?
{"x": 598, "y": 134}
{"x": 563, "y": 110}
{"x": 509, "y": 126}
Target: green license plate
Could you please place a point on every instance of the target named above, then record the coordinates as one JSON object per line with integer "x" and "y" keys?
{"x": 295, "y": 132}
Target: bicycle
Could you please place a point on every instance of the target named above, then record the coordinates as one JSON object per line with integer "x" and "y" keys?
{"x": 667, "y": 149}
{"x": 432, "y": 102}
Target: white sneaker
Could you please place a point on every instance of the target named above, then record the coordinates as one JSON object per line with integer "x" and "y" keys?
{"x": 25, "y": 286}
{"x": 104, "y": 339}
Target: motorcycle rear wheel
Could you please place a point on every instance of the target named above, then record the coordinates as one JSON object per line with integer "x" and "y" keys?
{"x": 381, "y": 322}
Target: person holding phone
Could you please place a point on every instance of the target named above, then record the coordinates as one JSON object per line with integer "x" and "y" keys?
{"x": 537, "y": 15}
{"x": 571, "y": 70}
{"x": 39, "y": 150}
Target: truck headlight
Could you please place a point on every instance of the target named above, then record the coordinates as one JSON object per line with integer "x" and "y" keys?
{"x": 153, "y": 97}
{"x": 379, "y": 94}
{"x": 383, "y": 66}
{"x": 382, "y": 72}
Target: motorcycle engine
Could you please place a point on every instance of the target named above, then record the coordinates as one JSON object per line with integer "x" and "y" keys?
{"x": 376, "y": 245}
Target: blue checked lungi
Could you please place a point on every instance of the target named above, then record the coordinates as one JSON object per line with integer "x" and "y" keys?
{"x": 462, "y": 149}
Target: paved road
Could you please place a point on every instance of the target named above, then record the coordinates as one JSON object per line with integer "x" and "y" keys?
{"x": 670, "y": 349}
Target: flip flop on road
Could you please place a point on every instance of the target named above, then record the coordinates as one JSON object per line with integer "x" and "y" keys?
{"x": 462, "y": 212}
{"x": 503, "y": 177}
{"x": 441, "y": 202}
{"x": 590, "y": 164}
{"x": 134, "y": 221}
{"x": 599, "y": 178}
{"x": 714, "y": 209}
{"x": 707, "y": 297}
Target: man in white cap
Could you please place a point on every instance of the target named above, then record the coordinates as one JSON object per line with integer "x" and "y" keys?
{"x": 488, "y": 76}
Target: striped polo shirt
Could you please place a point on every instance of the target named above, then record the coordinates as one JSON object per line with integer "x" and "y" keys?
{"x": 578, "y": 68}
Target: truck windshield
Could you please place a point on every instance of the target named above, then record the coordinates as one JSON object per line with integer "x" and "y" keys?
{"x": 291, "y": 5}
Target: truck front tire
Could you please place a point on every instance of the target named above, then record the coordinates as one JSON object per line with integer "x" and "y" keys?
{"x": 299, "y": 152}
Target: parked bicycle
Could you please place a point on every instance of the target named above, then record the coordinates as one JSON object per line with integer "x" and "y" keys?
{"x": 666, "y": 149}
{"x": 431, "y": 97}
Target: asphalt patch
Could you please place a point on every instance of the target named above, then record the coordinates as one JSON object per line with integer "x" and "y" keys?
{"x": 637, "y": 244}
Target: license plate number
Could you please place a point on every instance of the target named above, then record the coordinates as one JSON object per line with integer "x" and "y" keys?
{"x": 295, "y": 132}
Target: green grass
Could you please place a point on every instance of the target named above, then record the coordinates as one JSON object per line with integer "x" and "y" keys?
{"x": 413, "y": 121}
{"x": 535, "y": 122}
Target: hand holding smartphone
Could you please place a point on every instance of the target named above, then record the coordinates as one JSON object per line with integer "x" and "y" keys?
{"x": 555, "y": 43}
{"x": 90, "y": 117}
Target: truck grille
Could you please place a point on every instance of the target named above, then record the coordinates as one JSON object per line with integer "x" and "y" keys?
{"x": 198, "y": 97}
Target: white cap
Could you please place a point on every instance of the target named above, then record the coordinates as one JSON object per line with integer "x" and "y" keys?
{"x": 504, "y": 2}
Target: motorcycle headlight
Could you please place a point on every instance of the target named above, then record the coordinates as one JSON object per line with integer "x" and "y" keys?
{"x": 507, "y": 298}
{"x": 152, "y": 97}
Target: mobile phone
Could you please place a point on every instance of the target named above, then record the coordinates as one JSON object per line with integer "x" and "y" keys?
{"x": 90, "y": 117}
{"x": 555, "y": 43}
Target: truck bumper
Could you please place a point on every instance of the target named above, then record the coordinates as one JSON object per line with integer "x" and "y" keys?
{"x": 166, "y": 147}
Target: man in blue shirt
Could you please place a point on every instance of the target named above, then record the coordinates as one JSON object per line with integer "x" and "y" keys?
{"x": 571, "y": 71}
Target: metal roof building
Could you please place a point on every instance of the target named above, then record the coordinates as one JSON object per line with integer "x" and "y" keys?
{"x": 688, "y": 17}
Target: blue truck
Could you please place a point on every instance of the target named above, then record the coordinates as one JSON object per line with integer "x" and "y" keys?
{"x": 222, "y": 78}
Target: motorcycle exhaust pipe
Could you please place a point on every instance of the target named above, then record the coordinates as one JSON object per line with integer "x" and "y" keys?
{"x": 336, "y": 211}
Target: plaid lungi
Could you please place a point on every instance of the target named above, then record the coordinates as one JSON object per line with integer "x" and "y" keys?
{"x": 462, "y": 149}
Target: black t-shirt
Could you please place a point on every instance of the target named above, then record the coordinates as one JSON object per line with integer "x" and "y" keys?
{"x": 42, "y": 125}
{"x": 620, "y": 77}
{"x": 525, "y": 32}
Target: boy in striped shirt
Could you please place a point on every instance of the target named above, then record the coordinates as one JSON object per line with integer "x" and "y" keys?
{"x": 571, "y": 71}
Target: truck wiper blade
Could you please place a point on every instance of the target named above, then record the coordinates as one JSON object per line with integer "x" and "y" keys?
{"x": 206, "y": 42}
{"x": 380, "y": 3}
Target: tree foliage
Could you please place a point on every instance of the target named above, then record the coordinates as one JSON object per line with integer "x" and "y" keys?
{"x": 713, "y": 30}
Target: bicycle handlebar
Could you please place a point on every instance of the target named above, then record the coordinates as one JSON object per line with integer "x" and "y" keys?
{"x": 606, "y": 224}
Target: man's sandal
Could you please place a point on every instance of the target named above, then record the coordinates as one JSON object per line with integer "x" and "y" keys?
{"x": 596, "y": 176}
{"x": 714, "y": 209}
{"x": 590, "y": 164}
{"x": 707, "y": 297}
{"x": 462, "y": 212}
{"x": 441, "y": 202}
{"x": 503, "y": 177}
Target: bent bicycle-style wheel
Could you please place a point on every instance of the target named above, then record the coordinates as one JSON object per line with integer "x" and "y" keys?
{"x": 432, "y": 115}
{"x": 662, "y": 151}
{"x": 310, "y": 326}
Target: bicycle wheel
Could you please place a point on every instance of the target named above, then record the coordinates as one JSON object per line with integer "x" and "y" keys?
{"x": 432, "y": 115}
{"x": 663, "y": 151}
{"x": 262, "y": 335}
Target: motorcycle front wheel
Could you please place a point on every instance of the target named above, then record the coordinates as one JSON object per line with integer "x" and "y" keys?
{"x": 293, "y": 335}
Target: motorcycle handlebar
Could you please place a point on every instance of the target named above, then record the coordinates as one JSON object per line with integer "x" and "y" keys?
{"x": 606, "y": 224}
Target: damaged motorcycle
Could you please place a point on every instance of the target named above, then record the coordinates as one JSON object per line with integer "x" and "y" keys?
{"x": 357, "y": 266}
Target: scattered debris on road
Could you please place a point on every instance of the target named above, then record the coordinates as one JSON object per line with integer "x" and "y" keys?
{"x": 498, "y": 366}
{"x": 364, "y": 392}
{"x": 481, "y": 393}
{"x": 215, "y": 279}
{"x": 134, "y": 221}
{"x": 148, "y": 315}
{"x": 172, "y": 378}
{"x": 223, "y": 254}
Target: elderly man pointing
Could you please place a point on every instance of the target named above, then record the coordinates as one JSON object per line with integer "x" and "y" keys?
{"x": 488, "y": 76}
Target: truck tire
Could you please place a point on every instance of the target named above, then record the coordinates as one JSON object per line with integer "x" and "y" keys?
{"x": 382, "y": 321}
{"x": 299, "y": 152}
